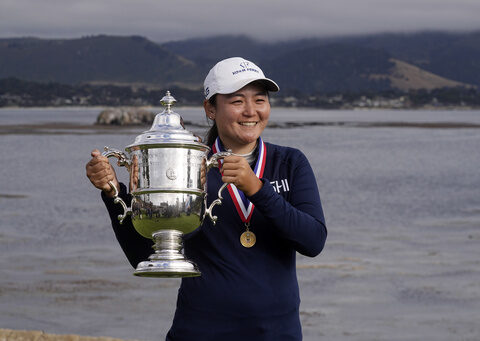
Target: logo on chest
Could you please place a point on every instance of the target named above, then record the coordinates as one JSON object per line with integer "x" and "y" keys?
{"x": 280, "y": 185}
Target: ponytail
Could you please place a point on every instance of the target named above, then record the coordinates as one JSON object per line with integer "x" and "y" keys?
{"x": 212, "y": 133}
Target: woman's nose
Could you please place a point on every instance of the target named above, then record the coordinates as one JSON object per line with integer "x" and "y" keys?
{"x": 249, "y": 108}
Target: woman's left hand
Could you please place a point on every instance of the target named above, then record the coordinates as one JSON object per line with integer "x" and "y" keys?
{"x": 237, "y": 171}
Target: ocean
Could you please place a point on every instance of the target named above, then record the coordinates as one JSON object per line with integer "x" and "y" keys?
{"x": 400, "y": 192}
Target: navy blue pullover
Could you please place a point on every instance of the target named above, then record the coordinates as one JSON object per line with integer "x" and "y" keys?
{"x": 237, "y": 283}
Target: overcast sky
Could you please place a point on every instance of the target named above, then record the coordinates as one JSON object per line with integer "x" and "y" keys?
{"x": 264, "y": 20}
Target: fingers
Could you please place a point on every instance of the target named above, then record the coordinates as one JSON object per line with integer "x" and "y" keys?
{"x": 233, "y": 165}
{"x": 134, "y": 174}
{"x": 233, "y": 161}
{"x": 100, "y": 177}
{"x": 203, "y": 177}
{"x": 98, "y": 167}
{"x": 236, "y": 170}
{"x": 95, "y": 152}
{"x": 100, "y": 172}
{"x": 96, "y": 155}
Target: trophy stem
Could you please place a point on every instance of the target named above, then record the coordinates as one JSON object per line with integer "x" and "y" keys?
{"x": 168, "y": 260}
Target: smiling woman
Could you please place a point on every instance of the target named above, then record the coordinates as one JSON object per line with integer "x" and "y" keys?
{"x": 240, "y": 117}
{"x": 248, "y": 289}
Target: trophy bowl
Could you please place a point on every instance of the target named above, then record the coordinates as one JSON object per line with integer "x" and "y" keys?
{"x": 167, "y": 166}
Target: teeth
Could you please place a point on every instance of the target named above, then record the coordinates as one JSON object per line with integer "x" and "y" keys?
{"x": 249, "y": 124}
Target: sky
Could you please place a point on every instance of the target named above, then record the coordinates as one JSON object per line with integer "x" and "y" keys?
{"x": 267, "y": 20}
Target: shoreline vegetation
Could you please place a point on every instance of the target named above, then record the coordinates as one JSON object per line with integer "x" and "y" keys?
{"x": 19, "y": 93}
{"x": 37, "y": 335}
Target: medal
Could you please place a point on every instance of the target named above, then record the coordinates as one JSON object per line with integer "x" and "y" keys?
{"x": 248, "y": 238}
{"x": 242, "y": 204}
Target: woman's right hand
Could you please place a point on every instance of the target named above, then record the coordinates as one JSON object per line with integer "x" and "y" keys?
{"x": 100, "y": 172}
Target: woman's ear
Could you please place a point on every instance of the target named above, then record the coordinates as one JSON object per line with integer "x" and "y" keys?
{"x": 209, "y": 110}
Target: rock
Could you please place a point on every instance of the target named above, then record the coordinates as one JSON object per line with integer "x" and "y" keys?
{"x": 125, "y": 116}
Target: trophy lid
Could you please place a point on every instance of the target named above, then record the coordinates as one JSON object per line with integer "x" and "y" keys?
{"x": 167, "y": 128}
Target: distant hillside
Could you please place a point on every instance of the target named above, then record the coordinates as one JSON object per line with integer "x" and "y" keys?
{"x": 330, "y": 68}
{"x": 205, "y": 52}
{"x": 308, "y": 66}
{"x": 98, "y": 59}
{"x": 453, "y": 56}
{"x": 404, "y": 76}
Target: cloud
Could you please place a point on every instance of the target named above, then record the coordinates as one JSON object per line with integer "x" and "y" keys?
{"x": 264, "y": 20}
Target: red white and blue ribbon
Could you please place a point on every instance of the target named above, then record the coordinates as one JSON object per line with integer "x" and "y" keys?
{"x": 243, "y": 205}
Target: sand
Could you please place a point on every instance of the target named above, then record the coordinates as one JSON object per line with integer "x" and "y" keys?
{"x": 37, "y": 335}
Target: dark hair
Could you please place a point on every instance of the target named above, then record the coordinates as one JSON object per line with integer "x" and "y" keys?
{"x": 212, "y": 133}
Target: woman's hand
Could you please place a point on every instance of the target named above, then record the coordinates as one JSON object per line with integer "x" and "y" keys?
{"x": 100, "y": 172}
{"x": 133, "y": 174}
{"x": 237, "y": 171}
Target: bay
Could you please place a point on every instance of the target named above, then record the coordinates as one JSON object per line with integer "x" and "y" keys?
{"x": 400, "y": 195}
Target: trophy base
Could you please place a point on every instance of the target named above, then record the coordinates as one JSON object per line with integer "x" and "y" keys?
{"x": 167, "y": 268}
{"x": 167, "y": 261}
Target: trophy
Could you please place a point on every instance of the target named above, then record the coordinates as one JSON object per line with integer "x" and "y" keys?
{"x": 167, "y": 166}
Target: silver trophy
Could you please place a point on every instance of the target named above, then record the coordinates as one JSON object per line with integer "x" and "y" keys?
{"x": 167, "y": 166}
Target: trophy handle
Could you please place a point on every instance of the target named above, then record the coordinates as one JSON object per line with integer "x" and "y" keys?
{"x": 117, "y": 200}
{"x": 213, "y": 162}
{"x": 121, "y": 156}
{"x": 217, "y": 201}
{"x": 122, "y": 161}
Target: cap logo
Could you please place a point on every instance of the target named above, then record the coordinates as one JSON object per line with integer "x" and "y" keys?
{"x": 207, "y": 91}
{"x": 245, "y": 67}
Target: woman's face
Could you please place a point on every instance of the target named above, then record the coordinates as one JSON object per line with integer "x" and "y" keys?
{"x": 241, "y": 117}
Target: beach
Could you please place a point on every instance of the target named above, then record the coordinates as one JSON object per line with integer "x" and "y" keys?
{"x": 37, "y": 335}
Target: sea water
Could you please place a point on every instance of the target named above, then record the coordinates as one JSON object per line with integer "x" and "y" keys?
{"x": 402, "y": 204}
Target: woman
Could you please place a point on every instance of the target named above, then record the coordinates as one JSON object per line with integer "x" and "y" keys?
{"x": 248, "y": 288}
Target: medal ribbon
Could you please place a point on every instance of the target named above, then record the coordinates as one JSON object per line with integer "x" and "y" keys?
{"x": 243, "y": 205}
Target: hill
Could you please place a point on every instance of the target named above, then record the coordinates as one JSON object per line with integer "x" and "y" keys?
{"x": 405, "y": 76}
{"x": 98, "y": 59}
{"x": 330, "y": 68}
{"x": 451, "y": 56}
{"x": 429, "y": 60}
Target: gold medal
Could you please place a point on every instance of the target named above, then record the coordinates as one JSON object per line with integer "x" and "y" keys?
{"x": 248, "y": 238}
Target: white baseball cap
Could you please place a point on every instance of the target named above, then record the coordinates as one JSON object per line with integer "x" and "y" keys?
{"x": 232, "y": 74}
